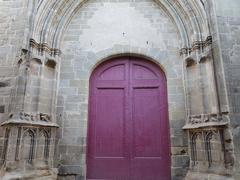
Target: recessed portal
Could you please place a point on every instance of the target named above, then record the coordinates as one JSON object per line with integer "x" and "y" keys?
{"x": 128, "y": 132}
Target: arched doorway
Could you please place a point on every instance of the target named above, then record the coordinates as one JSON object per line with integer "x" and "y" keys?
{"x": 128, "y": 133}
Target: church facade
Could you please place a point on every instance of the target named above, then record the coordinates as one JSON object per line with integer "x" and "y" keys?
{"x": 120, "y": 89}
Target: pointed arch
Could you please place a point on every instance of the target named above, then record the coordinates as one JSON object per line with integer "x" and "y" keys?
{"x": 52, "y": 19}
{"x": 28, "y": 145}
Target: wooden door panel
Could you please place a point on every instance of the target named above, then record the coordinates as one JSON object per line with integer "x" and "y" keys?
{"x": 141, "y": 71}
{"x": 146, "y": 123}
{"x": 110, "y": 123}
{"x": 114, "y": 72}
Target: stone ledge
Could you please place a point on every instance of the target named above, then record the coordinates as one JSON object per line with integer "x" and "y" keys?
{"x": 50, "y": 174}
{"x": 204, "y": 125}
{"x": 32, "y": 123}
{"x": 206, "y": 176}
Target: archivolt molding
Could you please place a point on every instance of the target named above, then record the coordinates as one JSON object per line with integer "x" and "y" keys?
{"x": 52, "y": 19}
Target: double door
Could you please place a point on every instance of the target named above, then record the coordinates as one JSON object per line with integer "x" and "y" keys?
{"x": 128, "y": 133}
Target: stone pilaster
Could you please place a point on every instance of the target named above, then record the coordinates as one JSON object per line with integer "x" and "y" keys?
{"x": 210, "y": 142}
{"x": 30, "y": 131}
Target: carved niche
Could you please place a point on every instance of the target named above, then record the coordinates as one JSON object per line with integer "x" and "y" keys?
{"x": 207, "y": 149}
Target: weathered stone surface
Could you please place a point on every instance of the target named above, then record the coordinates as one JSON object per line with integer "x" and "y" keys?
{"x": 34, "y": 175}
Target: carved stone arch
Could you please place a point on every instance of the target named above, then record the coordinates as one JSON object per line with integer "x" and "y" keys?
{"x": 201, "y": 15}
{"x": 214, "y": 147}
{"x": 50, "y": 25}
{"x": 43, "y": 146}
{"x": 208, "y": 147}
{"x": 28, "y": 145}
{"x": 18, "y": 143}
{"x": 193, "y": 148}
{"x": 5, "y": 146}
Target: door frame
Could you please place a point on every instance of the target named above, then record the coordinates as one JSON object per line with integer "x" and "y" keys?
{"x": 112, "y": 58}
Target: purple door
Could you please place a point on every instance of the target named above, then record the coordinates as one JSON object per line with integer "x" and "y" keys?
{"x": 128, "y": 135}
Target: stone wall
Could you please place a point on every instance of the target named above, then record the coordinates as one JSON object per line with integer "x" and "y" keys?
{"x": 27, "y": 95}
{"x": 228, "y": 22}
{"x": 12, "y": 25}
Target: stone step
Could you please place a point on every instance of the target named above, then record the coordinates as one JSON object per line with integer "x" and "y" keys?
{"x": 45, "y": 178}
{"x": 31, "y": 175}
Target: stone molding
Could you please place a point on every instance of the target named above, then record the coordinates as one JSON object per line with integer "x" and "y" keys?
{"x": 205, "y": 120}
{"x": 44, "y": 47}
{"x": 24, "y": 122}
{"x": 38, "y": 119}
{"x": 196, "y": 45}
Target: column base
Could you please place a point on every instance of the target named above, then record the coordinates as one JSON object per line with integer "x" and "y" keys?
{"x": 206, "y": 176}
{"x": 50, "y": 174}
